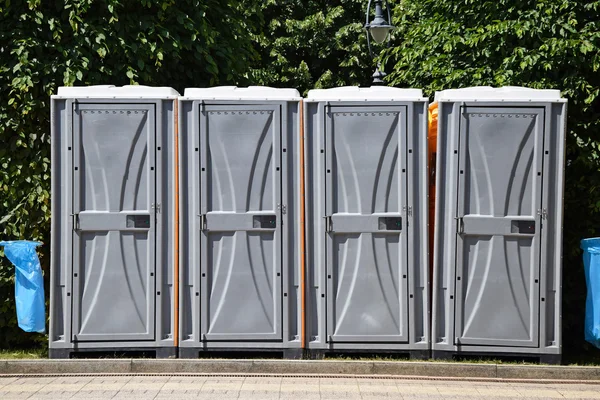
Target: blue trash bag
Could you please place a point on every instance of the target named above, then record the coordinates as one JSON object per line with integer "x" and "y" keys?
{"x": 29, "y": 285}
{"x": 591, "y": 265}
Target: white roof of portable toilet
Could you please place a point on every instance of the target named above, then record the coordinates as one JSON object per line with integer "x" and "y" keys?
{"x": 353, "y": 93}
{"x": 238, "y": 93}
{"x": 112, "y": 91}
{"x": 506, "y": 93}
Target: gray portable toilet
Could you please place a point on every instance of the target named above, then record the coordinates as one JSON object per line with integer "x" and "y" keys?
{"x": 240, "y": 275}
{"x": 366, "y": 221}
{"x": 498, "y": 222}
{"x": 112, "y": 260}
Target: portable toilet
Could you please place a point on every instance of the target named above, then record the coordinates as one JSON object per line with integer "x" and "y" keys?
{"x": 366, "y": 221}
{"x": 498, "y": 223}
{"x": 240, "y": 221}
{"x": 112, "y": 260}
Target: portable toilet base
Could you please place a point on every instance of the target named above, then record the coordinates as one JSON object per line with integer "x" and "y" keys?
{"x": 113, "y": 253}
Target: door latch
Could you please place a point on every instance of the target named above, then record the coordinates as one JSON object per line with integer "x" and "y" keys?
{"x": 203, "y": 222}
{"x": 460, "y": 225}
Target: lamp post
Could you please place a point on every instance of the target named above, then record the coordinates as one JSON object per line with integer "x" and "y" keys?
{"x": 379, "y": 28}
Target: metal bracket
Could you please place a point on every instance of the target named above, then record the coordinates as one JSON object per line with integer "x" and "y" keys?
{"x": 156, "y": 207}
{"x": 543, "y": 213}
{"x": 203, "y": 222}
{"x": 328, "y": 224}
{"x": 75, "y": 221}
{"x": 460, "y": 225}
{"x": 282, "y": 208}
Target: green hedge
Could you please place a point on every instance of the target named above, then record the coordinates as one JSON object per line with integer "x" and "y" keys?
{"x": 541, "y": 44}
{"x": 46, "y": 44}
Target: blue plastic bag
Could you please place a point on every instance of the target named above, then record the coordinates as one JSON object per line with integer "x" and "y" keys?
{"x": 29, "y": 285}
{"x": 591, "y": 265}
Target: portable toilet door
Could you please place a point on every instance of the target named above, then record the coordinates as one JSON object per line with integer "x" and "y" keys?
{"x": 498, "y": 222}
{"x": 367, "y": 220}
{"x": 239, "y": 166}
{"x": 112, "y": 261}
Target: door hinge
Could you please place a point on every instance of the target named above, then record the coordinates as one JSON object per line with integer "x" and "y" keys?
{"x": 156, "y": 207}
{"x": 543, "y": 213}
{"x": 202, "y": 222}
{"x": 75, "y": 221}
{"x": 282, "y": 208}
{"x": 328, "y": 224}
{"x": 460, "y": 225}
{"x": 407, "y": 210}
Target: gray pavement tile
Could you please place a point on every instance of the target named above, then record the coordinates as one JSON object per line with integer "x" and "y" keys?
{"x": 389, "y": 395}
{"x": 7, "y": 380}
{"x": 101, "y": 394}
{"x": 177, "y": 396}
{"x": 220, "y": 392}
{"x": 419, "y": 397}
{"x": 71, "y": 380}
{"x": 259, "y": 396}
{"x": 268, "y": 380}
{"x": 300, "y": 396}
{"x": 52, "y": 395}
{"x": 209, "y": 396}
{"x": 186, "y": 379}
{"x": 11, "y": 396}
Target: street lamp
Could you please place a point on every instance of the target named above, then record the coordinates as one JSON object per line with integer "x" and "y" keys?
{"x": 379, "y": 28}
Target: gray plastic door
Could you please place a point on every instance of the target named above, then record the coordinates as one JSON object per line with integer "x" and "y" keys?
{"x": 114, "y": 243}
{"x": 498, "y": 239}
{"x": 366, "y": 243}
{"x": 240, "y": 174}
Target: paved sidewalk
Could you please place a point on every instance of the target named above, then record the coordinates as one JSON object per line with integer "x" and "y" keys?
{"x": 207, "y": 387}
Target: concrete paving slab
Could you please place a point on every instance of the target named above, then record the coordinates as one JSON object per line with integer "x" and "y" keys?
{"x": 308, "y": 367}
{"x": 81, "y": 366}
{"x": 434, "y": 369}
{"x": 508, "y": 371}
{"x": 311, "y": 367}
{"x": 190, "y": 366}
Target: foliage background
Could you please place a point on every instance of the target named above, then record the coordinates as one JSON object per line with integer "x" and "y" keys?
{"x": 46, "y": 44}
{"x": 539, "y": 44}
{"x": 438, "y": 44}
